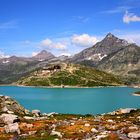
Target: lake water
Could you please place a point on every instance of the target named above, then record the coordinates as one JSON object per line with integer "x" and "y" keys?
{"x": 74, "y": 100}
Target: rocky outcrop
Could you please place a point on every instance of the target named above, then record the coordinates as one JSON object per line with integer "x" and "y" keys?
{"x": 10, "y": 106}
{"x": 8, "y": 118}
{"x": 12, "y": 128}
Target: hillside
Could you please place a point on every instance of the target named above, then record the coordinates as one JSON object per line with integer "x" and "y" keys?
{"x": 125, "y": 62}
{"x": 69, "y": 75}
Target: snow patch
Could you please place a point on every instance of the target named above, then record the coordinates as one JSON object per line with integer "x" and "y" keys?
{"x": 96, "y": 57}
{"x": 5, "y": 62}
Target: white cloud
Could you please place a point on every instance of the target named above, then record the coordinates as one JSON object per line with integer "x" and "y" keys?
{"x": 130, "y": 17}
{"x": 84, "y": 40}
{"x": 132, "y": 37}
{"x": 119, "y": 9}
{"x": 59, "y": 45}
{"x": 48, "y": 43}
{"x": 81, "y": 19}
{"x": 2, "y": 55}
{"x": 26, "y": 42}
{"x": 9, "y": 25}
{"x": 34, "y": 53}
{"x": 65, "y": 54}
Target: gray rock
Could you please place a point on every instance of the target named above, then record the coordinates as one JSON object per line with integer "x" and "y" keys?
{"x": 9, "y": 105}
{"x": 9, "y": 118}
{"x": 53, "y": 133}
{"x": 36, "y": 112}
{"x": 134, "y": 135}
{"x": 12, "y": 128}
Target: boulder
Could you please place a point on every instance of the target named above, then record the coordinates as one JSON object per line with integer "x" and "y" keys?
{"x": 134, "y": 135}
{"x": 52, "y": 113}
{"x": 9, "y": 118}
{"x": 87, "y": 125}
{"x": 127, "y": 110}
{"x": 56, "y": 133}
{"x": 12, "y": 128}
{"x": 94, "y": 130}
{"x": 36, "y": 112}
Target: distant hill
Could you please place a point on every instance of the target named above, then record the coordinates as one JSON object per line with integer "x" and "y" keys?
{"x": 43, "y": 55}
{"x": 13, "y": 68}
{"x": 70, "y": 75}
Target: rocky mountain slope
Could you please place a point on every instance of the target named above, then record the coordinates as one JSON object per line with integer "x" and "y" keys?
{"x": 96, "y": 53}
{"x": 69, "y": 75}
{"x": 113, "y": 55}
{"x": 125, "y": 61}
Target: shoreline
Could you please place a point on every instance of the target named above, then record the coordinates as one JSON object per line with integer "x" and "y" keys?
{"x": 68, "y": 86}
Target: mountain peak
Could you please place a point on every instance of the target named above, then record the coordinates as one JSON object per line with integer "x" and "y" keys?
{"x": 110, "y": 35}
{"x": 112, "y": 40}
{"x": 43, "y": 55}
{"x": 43, "y": 52}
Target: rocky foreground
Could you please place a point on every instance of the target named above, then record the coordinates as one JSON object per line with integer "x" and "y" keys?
{"x": 17, "y": 123}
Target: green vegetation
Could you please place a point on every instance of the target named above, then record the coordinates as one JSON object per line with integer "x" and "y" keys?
{"x": 71, "y": 75}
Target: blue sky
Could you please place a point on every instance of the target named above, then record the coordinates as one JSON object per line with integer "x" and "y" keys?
{"x": 64, "y": 26}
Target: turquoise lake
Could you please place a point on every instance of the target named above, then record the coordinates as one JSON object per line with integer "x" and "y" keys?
{"x": 74, "y": 100}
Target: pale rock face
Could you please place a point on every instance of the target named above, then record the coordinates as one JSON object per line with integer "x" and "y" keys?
{"x": 8, "y": 118}
{"x": 11, "y": 128}
{"x": 87, "y": 125}
{"x": 94, "y": 130}
{"x": 31, "y": 132}
{"x": 133, "y": 128}
{"x": 52, "y": 113}
{"x": 110, "y": 121}
{"x": 36, "y": 112}
{"x": 99, "y": 137}
{"x": 134, "y": 135}
{"x": 53, "y": 133}
{"x": 127, "y": 110}
{"x": 28, "y": 118}
{"x": 72, "y": 123}
{"x": 4, "y": 109}
{"x": 138, "y": 118}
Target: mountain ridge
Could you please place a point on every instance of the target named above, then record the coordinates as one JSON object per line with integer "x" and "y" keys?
{"x": 112, "y": 55}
